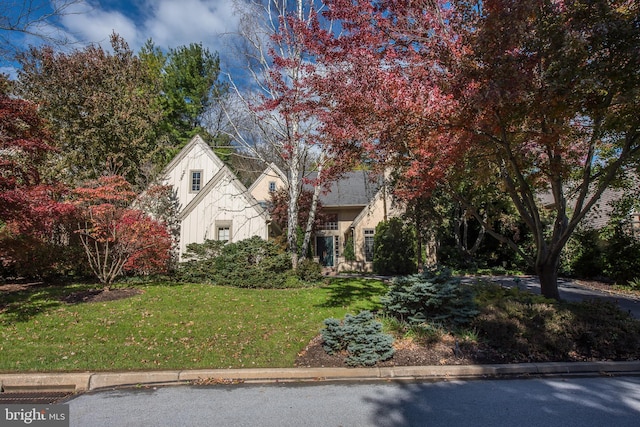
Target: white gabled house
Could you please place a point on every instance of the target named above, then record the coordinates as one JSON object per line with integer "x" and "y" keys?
{"x": 213, "y": 203}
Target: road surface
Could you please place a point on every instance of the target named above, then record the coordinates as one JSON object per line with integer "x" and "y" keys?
{"x": 599, "y": 401}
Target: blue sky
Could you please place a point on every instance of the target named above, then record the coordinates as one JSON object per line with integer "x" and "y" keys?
{"x": 170, "y": 23}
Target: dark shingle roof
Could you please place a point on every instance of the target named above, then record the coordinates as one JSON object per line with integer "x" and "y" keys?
{"x": 352, "y": 189}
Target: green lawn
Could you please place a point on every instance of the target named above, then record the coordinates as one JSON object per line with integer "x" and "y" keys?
{"x": 171, "y": 326}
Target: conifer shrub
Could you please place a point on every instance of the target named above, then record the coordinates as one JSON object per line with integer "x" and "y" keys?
{"x": 430, "y": 297}
{"x": 394, "y": 248}
{"x": 360, "y": 337}
{"x": 349, "y": 252}
{"x": 249, "y": 263}
{"x": 309, "y": 271}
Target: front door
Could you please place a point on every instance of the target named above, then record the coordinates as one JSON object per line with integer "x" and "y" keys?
{"x": 324, "y": 250}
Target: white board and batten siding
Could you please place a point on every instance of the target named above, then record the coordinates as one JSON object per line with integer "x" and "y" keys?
{"x": 195, "y": 156}
{"x": 221, "y": 201}
{"x": 224, "y": 201}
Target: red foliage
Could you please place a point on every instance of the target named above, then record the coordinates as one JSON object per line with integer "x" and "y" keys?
{"x": 377, "y": 85}
{"x": 27, "y": 206}
{"x": 117, "y": 238}
{"x": 279, "y": 209}
{"x": 32, "y": 213}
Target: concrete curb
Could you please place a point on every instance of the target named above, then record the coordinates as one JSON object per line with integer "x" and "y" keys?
{"x": 87, "y": 381}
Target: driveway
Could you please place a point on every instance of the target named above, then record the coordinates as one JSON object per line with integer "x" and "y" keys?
{"x": 569, "y": 291}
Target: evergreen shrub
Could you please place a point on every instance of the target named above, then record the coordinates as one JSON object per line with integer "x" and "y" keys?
{"x": 430, "y": 297}
{"x": 309, "y": 271}
{"x": 394, "y": 248}
{"x": 360, "y": 336}
{"x": 349, "y": 252}
{"x": 622, "y": 255}
{"x": 249, "y": 263}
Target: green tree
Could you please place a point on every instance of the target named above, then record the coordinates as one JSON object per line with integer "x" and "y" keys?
{"x": 394, "y": 248}
{"x": 190, "y": 86}
{"x": 100, "y": 107}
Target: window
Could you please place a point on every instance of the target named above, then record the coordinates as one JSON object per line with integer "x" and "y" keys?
{"x": 223, "y": 231}
{"x": 272, "y": 186}
{"x": 368, "y": 245}
{"x": 331, "y": 223}
{"x": 196, "y": 181}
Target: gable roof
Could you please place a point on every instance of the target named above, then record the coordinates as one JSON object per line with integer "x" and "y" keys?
{"x": 234, "y": 181}
{"x": 368, "y": 208}
{"x": 195, "y": 141}
{"x": 266, "y": 174}
{"x": 354, "y": 188}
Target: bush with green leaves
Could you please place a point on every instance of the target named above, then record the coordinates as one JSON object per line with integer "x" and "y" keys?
{"x": 249, "y": 263}
{"x": 309, "y": 271}
{"x": 349, "y": 252}
{"x": 394, "y": 248}
{"x": 430, "y": 297}
{"x": 360, "y": 336}
{"x": 622, "y": 255}
{"x": 585, "y": 253}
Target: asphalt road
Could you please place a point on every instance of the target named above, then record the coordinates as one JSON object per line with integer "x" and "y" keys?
{"x": 599, "y": 401}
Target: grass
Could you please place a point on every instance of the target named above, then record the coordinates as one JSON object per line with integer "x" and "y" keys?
{"x": 171, "y": 326}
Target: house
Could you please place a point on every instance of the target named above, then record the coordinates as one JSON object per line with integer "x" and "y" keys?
{"x": 213, "y": 203}
{"x": 601, "y": 213}
{"x": 353, "y": 206}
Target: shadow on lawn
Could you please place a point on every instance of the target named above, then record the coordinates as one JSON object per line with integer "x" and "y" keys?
{"x": 364, "y": 293}
{"x": 28, "y": 301}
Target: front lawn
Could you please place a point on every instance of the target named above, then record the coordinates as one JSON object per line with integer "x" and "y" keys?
{"x": 171, "y": 326}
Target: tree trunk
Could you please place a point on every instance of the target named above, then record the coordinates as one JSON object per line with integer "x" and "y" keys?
{"x": 547, "y": 271}
{"x": 314, "y": 208}
{"x": 292, "y": 222}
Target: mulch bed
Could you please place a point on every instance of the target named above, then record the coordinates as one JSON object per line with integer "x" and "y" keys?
{"x": 100, "y": 295}
{"x": 407, "y": 353}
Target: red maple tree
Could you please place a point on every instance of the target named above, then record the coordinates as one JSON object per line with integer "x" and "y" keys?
{"x": 117, "y": 238}
{"x": 542, "y": 94}
{"x": 31, "y": 211}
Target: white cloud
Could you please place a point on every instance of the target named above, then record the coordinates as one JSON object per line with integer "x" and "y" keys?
{"x": 170, "y": 23}
{"x": 90, "y": 24}
{"x": 177, "y": 23}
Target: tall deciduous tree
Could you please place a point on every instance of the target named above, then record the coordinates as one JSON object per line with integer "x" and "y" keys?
{"x": 101, "y": 107}
{"x": 279, "y": 113}
{"x": 30, "y": 208}
{"x": 545, "y": 92}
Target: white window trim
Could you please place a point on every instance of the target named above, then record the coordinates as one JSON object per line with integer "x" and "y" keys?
{"x": 191, "y": 172}
{"x": 223, "y": 224}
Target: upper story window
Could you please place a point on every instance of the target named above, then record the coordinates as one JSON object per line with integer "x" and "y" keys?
{"x": 223, "y": 233}
{"x": 331, "y": 223}
{"x": 196, "y": 181}
{"x": 272, "y": 186}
